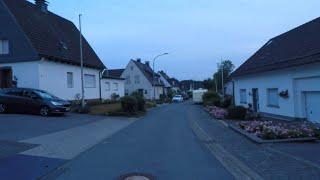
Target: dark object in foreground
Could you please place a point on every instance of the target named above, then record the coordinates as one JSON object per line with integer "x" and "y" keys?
{"x": 34, "y": 101}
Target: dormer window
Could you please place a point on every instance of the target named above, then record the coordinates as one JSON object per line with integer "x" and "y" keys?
{"x": 4, "y": 46}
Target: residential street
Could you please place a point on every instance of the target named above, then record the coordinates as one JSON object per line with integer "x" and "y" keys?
{"x": 161, "y": 144}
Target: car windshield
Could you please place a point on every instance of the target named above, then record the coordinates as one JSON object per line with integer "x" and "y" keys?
{"x": 45, "y": 95}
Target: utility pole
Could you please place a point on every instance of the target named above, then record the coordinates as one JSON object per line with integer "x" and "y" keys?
{"x": 81, "y": 62}
{"x": 222, "y": 80}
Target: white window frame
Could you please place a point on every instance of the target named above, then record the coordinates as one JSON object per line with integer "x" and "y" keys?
{"x": 273, "y": 97}
{"x": 4, "y": 47}
{"x": 243, "y": 96}
{"x": 108, "y": 86}
{"x": 70, "y": 80}
{"x": 88, "y": 84}
{"x": 116, "y": 86}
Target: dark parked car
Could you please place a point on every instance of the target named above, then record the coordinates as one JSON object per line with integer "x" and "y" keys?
{"x": 22, "y": 100}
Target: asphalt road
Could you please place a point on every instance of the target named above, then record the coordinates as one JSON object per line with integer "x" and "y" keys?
{"x": 161, "y": 144}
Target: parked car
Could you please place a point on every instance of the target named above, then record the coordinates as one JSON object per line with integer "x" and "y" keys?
{"x": 177, "y": 98}
{"x": 23, "y": 100}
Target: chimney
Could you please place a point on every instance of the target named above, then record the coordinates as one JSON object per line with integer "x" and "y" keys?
{"x": 139, "y": 60}
{"x": 42, "y": 5}
{"x": 147, "y": 63}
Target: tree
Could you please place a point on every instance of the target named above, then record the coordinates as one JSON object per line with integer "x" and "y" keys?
{"x": 209, "y": 84}
{"x": 226, "y": 67}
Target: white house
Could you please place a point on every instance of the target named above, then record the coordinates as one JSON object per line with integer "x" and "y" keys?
{"x": 112, "y": 83}
{"x": 139, "y": 78}
{"x": 165, "y": 79}
{"x": 282, "y": 79}
{"x": 39, "y": 49}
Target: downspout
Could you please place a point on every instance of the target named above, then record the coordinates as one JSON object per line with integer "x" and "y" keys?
{"x": 100, "y": 78}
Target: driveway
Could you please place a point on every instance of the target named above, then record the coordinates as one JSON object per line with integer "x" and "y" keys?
{"x": 16, "y": 127}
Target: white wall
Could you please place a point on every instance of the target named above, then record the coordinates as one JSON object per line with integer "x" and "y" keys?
{"x": 106, "y": 93}
{"x": 27, "y": 73}
{"x": 53, "y": 78}
{"x": 296, "y": 80}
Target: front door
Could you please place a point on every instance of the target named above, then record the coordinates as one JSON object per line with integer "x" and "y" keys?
{"x": 312, "y": 106}
{"x": 255, "y": 99}
{"x": 5, "y": 77}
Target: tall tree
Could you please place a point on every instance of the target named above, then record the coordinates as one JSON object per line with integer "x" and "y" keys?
{"x": 224, "y": 69}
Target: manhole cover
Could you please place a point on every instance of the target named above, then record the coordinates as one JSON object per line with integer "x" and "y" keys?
{"x": 137, "y": 176}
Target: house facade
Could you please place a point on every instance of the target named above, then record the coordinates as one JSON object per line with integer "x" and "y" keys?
{"x": 112, "y": 84}
{"x": 282, "y": 79}
{"x": 139, "y": 78}
{"x": 165, "y": 79}
{"x": 39, "y": 49}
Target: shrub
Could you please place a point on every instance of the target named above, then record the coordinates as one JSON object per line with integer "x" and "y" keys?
{"x": 129, "y": 104}
{"x": 237, "y": 112}
{"x": 211, "y": 98}
{"x": 140, "y": 101}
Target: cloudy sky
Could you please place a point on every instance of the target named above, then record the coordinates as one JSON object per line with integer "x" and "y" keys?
{"x": 196, "y": 33}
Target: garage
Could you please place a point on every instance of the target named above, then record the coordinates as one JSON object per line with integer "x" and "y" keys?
{"x": 312, "y": 106}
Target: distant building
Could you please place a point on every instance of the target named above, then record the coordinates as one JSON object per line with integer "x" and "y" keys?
{"x": 139, "y": 78}
{"x": 175, "y": 84}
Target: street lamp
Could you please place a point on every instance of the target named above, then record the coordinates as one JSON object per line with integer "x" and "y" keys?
{"x": 153, "y": 78}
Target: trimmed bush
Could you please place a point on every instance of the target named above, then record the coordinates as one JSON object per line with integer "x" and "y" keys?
{"x": 140, "y": 101}
{"x": 237, "y": 112}
{"x": 129, "y": 104}
{"x": 211, "y": 99}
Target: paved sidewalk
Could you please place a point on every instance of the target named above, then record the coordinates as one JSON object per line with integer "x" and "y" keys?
{"x": 45, "y": 153}
{"x": 265, "y": 159}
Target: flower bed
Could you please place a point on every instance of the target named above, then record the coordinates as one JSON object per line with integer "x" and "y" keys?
{"x": 217, "y": 112}
{"x": 270, "y": 130}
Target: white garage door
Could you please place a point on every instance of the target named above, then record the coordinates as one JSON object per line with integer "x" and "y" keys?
{"x": 313, "y": 109}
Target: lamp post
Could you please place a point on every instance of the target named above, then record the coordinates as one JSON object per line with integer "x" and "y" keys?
{"x": 153, "y": 78}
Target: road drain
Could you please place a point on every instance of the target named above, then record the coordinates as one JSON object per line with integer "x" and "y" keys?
{"x": 137, "y": 176}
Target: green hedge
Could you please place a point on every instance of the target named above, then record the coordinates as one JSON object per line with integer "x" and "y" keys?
{"x": 211, "y": 98}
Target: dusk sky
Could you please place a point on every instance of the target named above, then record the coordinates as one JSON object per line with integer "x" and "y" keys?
{"x": 196, "y": 33}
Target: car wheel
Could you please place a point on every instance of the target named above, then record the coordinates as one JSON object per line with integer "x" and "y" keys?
{"x": 44, "y": 111}
{"x": 3, "y": 108}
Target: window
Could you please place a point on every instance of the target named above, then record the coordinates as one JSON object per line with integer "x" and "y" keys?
{"x": 145, "y": 92}
{"x": 70, "y": 79}
{"x": 126, "y": 92}
{"x": 128, "y": 80}
{"x": 89, "y": 81}
{"x": 4, "y": 46}
{"x": 137, "y": 79}
{"x": 131, "y": 68}
{"x": 116, "y": 86}
{"x": 273, "y": 97}
{"x": 107, "y": 86}
{"x": 243, "y": 96}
